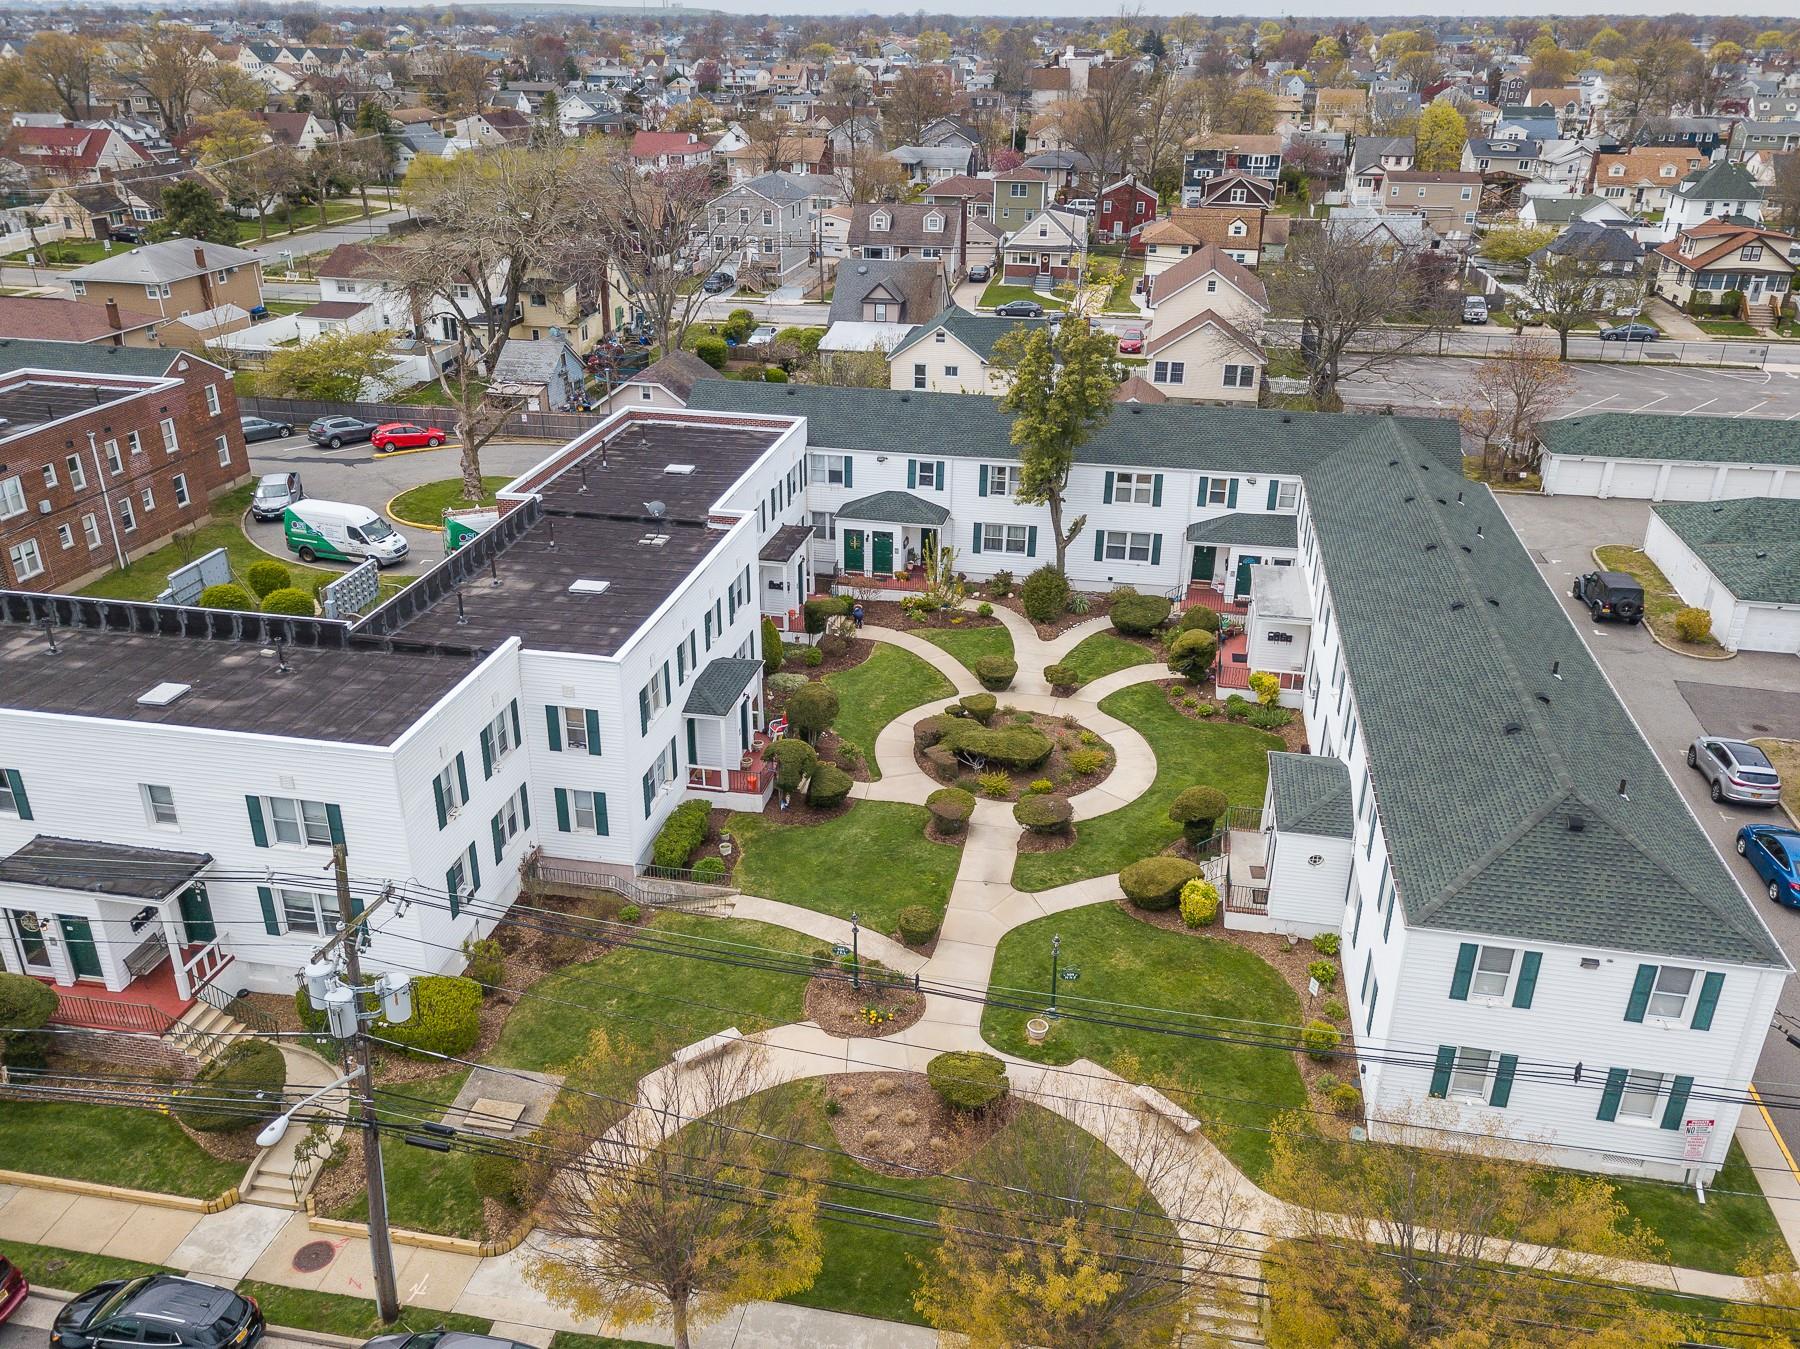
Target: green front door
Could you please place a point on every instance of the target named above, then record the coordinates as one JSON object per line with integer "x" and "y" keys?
{"x": 853, "y": 550}
{"x": 1205, "y": 558}
{"x": 884, "y": 553}
{"x": 196, "y": 915}
{"x": 928, "y": 544}
{"x": 78, "y": 941}
{"x": 1243, "y": 575}
{"x": 31, "y": 941}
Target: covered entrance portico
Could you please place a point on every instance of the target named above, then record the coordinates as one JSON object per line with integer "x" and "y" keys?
{"x": 1225, "y": 548}
{"x": 725, "y": 733}
{"x": 786, "y": 576}
{"x": 887, "y": 534}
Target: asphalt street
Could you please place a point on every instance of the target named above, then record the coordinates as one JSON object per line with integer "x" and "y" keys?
{"x": 1488, "y": 339}
{"x": 1674, "y": 698}
{"x": 30, "y": 1326}
{"x": 1443, "y": 383}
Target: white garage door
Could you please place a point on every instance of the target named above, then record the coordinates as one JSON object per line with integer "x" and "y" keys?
{"x": 1573, "y": 477}
{"x": 1633, "y": 478}
{"x": 1748, "y": 482}
{"x": 1690, "y": 482}
{"x": 1767, "y": 629}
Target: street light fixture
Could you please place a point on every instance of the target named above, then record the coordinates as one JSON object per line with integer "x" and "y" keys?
{"x": 276, "y": 1128}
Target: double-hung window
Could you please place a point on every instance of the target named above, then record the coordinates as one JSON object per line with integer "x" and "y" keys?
{"x": 1168, "y": 372}
{"x": 919, "y": 376}
{"x": 1240, "y": 377}
{"x": 1218, "y": 491}
{"x": 159, "y": 805}
{"x": 513, "y": 815}
{"x": 450, "y": 790}
{"x": 498, "y": 735}
{"x": 113, "y": 462}
{"x": 831, "y": 469}
{"x": 1004, "y": 538}
{"x": 927, "y": 471}
{"x": 77, "y": 473}
{"x": 1287, "y": 495}
{"x": 134, "y": 441}
{"x": 181, "y": 489}
{"x": 309, "y": 911}
{"x": 1637, "y": 1101}
{"x": 90, "y": 530}
{"x": 1133, "y": 488}
{"x": 212, "y": 399}
{"x": 575, "y": 730}
{"x": 299, "y": 824}
{"x": 12, "y": 795}
{"x": 27, "y": 560}
{"x": 1003, "y": 479}
{"x": 127, "y": 515}
{"x": 12, "y": 498}
{"x": 587, "y": 812}
{"x": 1121, "y": 546}
{"x": 1469, "y": 1077}
{"x": 224, "y": 446}
{"x": 1669, "y": 995}
{"x": 1493, "y": 972}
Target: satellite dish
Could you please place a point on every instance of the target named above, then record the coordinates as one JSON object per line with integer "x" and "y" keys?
{"x": 656, "y": 510}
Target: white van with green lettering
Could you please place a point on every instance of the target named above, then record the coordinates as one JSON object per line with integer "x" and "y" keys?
{"x": 341, "y": 532}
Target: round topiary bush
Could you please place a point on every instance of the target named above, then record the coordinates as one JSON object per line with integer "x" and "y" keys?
{"x": 918, "y": 924}
{"x": 713, "y": 351}
{"x": 710, "y": 869}
{"x": 1199, "y": 902}
{"x": 811, "y": 710}
{"x": 1191, "y": 654}
{"x": 950, "y": 809}
{"x": 494, "y": 1175}
{"x": 1045, "y": 594}
{"x": 1320, "y": 1039}
{"x": 980, "y": 706}
{"x": 27, "y": 1004}
{"x": 821, "y": 609}
{"x": 227, "y": 596}
{"x": 266, "y": 577}
{"x": 1044, "y": 814}
{"x": 1198, "y": 811}
{"x": 927, "y": 731}
{"x": 1140, "y": 615}
{"x": 787, "y": 682}
{"x": 1060, "y": 676}
{"x": 1345, "y": 1100}
{"x": 1155, "y": 883}
{"x": 793, "y": 760}
{"x": 967, "y": 1079}
{"x": 996, "y": 672}
{"x": 249, "y": 1071}
{"x": 1693, "y": 625}
{"x": 996, "y": 747}
{"x": 1324, "y": 971}
{"x": 1206, "y": 620}
{"x": 296, "y": 603}
{"x": 828, "y": 786}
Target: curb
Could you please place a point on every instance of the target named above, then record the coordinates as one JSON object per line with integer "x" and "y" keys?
{"x": 395, "y": 517}
{"x": 90, "y": 1189}
{"x": 1654, "y": 636}
{"x": 430, "y": 1241}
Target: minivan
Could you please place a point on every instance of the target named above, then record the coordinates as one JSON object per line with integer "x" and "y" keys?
{"x": 341, "y": 532}
{"x": 275, "y": 492}
{"x": 1475, "y": 309}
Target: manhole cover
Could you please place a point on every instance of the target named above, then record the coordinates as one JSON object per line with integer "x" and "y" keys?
{"x": 314, "y": 1256}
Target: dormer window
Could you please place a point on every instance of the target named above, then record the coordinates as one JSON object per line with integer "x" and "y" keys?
{"x": 1238, "y": 229}
{"x": 934, "y": 223}
{"x": 1617, "y": 171}
{"x": 879, "y": 221}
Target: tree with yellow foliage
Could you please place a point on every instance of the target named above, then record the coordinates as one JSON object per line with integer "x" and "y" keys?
{"x": 1440, "y": 138}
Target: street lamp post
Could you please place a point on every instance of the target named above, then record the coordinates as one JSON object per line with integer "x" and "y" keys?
{"x": 855, "y": 954}
{"x": 1055, "y": 960}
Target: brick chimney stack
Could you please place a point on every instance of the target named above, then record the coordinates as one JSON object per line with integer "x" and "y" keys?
{"x": 113, "y": 320}
{"x": 199, "y": 256}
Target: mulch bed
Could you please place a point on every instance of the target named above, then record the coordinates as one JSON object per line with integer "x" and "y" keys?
{"x": 889, "y": 614}
{"x": 843, "y": 1011}
{"x": 1030, "y": 841}
{"x": 955, "y": 840}
{"x": 1055, "y": 768}
{"x": 894, "y": 1123}
{"x": 1293, "y": 735}
{"x": 1098, "y": 607}
{"x": 858, "y": 650}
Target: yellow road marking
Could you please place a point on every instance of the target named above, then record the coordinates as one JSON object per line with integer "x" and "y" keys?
{"x": 1773, "y": 1132}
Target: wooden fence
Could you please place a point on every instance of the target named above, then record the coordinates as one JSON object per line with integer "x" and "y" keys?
{"x": 297, "y": 412}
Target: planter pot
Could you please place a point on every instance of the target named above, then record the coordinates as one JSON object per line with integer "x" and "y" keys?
{"x": 1036, "y": 1029}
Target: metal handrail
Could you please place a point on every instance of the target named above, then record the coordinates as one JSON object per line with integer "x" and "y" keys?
{"x": 236, "y": 1008}
{"x": 109, "y": 1014}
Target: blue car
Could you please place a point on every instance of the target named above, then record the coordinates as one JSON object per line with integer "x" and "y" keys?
{"x": 1774, "y": 850}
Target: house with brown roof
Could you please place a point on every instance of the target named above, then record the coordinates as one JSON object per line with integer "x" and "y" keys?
{"x": 1640, "y": 179}
{"x": 1207, "y": 157}
{"x": 1207, "y": 280}
{"x": 795, "y": 153}
{"x": 301, "y": 131}
{"x": 661, "y": 384}
{"x": 1345, "y": 110}
{"x": 653, "y": 150}
{"x": 1707, "y": 261}
{"x": 884, "y": 230}
{"x": 85, "y": 212}
{"x": 961, "y": 188}
{"x": 72, "y": 154}
{"x": 51, "y": 320}
{"x": 1240, "y": 232}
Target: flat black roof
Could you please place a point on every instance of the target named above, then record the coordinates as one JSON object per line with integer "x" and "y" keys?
{"x": 29, "y": 403}
{"x": 101, "y": 868}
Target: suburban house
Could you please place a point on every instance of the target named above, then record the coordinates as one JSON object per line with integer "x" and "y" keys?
{"x": 667, "y": 383}
{"x": 85, "y": 212}
{"x": 1066, "y": 169}
{"x": 72, "y": 155}
{"x": 1707, "y": 260}
{"x": 177, "y": 279}
{"x": 1232, "y": 189}
{"x": 1372, "y": 159}
{"x": 1618, "y": 255}
{"x": 545, "y": 373}
{"x": 790, "y": 154}
{"x": 1718, "y": 190}
{"x": 953, "y": 353}
{"x": 1560, "y": 212}
{"x": 52, "y": 320}
{"x": 1125, "y": 208}
{"x": 549, "y": 306}
{"x": 1206, "y": 318}
{"x": 1238, "y": 231}
{"x": 1740, "y": 561}
{"x": 1643, "y": 177}
{"x": 955, "y": 191}
{"x": 956, "y": 131}
{"x": 1518, "y": 157}
{"x": 774, "y": 216}
{"x": 1020, "y": 196}
{"x": 884, "y": 230}
{"x": 1207, "y": 157}
{"x": 656, "y": 150}
{"x": 1448, "y": 200}
{"x": 1048, "y": 251}
{"x": 931, "y": 163}
{"x": 875, "y": 304}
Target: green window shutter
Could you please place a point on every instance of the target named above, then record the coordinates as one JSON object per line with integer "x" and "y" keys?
{"x": 524, "y": 805}
{"x": 649, "y": 794}
{"x": 693, "y": 744}
{"x": 1503, "y": 1080}
{"x": 1465, "y": 970}
{"x": 499, "y": 839}
{"x": 1387, "y": 924}
{"x": 849, "y": 473}
{"x": 1677, "y": 1106}
{"x": 1200, "y": 496}
{"x": 1231, "y": 494}
{"x": 1527, "y": 985}
{"x": 1030, "y": 540}
{"x": 1640, "y": 993}
{"x": 1709, "y": 999}
{"x": 474, "y": 871}
{"x": 437, "y": 797}
{"x": 644, "y": 711}
{"x": 462, "y": 775}
{"x": 266, "y": 897}
{"x": 450, "y": 889}
{"x": 1155, "y": 549}
{"x": 1099, "y": 545}
{"x": 593, "y": 724}
{"x": 1156, "y": 490}
{"x": 1440, "y": 1071}
{"x": 668, "y": 689}
{"x": 487, "y": 753}
{"x": 912, "y": 473}
{"x": 981, "y": 482}
{"x": 1609, "y": 1098}
{"x": 20, "y": 801}
{"x": 562, "y": 810}
{"x": 942, "y": 478}
{"x": 1106, "y": 494}
{"x": 1272, "y": 491}
{"x": 975, "y": 543}
{"x": 258, "y": 830}
{"x": 518, "y": 735}
{"x": 600, "y": 813}
{"x": 334, "y": 821}
{"x": 553, "y": 726}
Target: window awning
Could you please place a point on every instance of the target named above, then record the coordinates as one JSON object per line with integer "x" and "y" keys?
{"x": 894, "y": 508}
{"x": 719, "y": 686}
{"x": 108, "y": 869}
{"x": 784, "y": 543}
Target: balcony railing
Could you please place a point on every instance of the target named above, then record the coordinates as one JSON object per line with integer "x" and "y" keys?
{"x": 75, "y": 1009}
{"x": 751, "y": 783}
{"x": 204, "y": 965}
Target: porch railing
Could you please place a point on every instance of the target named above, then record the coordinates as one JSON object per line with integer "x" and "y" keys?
{"x": 708, "y": 779}
{"x": 204, "y": 965}
{"x": 72, "y": 1009}
{"x": 671, "y": 891}
{"x": 239, "y": 1009}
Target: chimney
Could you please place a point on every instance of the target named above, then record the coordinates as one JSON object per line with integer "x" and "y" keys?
{"x": 113, "y": 320}
{"x": 199, "y": 256}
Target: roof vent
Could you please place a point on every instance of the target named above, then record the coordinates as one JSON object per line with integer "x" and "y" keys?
{"x": 1760, "y": 553}
{"x": 1543, "y": 698}
{"x": 1431, "y": 548}
{"x": 1511, "y": 728}
{"x": 1442, "y": 502}
{"x": 1456, "y": 605}
{"x": 1135, "y": 409}
{"x": 1285, "y": 419}
{"x": 1407, "y": 501}
{"x": 680, "y": 470}
{"x": 1576, "y": 824}
{"x": 1465, "y": 547}
{"x": 906, "y": 398}
{"x": 163, "y": 694}
{"x": 653, "y": 541}
{"x": 589, "y": 587}
{"x": 1393, "y": 463}
{"x": 1491, "y": 600}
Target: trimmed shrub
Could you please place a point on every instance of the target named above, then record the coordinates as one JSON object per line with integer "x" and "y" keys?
{"x": 950, "y": 809}
{"x": 296, "y": 603}
{"x": 483, "y": 962}
{"x": 1155, "y": 883}
{"x": 446, "y": 1016}
{"x": 772, "y": 653}
{"x": 681, "y": 835}
{"x": 1206, "y": 620}
{"x": 1345, "y": 1101}
{"x": 820, "y": 609}
{"x": 494, "y": 1175}
{"x": 1085, "y": 761}
{"x": 1320, "y": 1039}
{"x": 1266, "y": 687}
{"x": 631, "y": 913}
{"x": 811, "y": 710}
{"x": 980, "y": 706}
{"x": 1060, "y": 676}
{"x": 1237, "y": 708}
{"x": 813, "y": 658}
{"x": 1335, "y": 1009}
{"x": 1199, "y": 902}
{"x": 1326, "y": 943}
{"x": 713, "y": 351}
{"x": 985, "y": 609}
{"x": 996, "y": 672}
{"x": 738, "y": 325}
{"x": 1268, "y": 718}
{"x": 793, "y": 760}
{"x": 1039, "y": 785}
{"x": 1324, "y": 971}
{"x": 1044, "y": 814}
{"x": 1693, "y": 625}
{"x": 786, "y": 683}
{"x": 1045, "y": 594}
{"x": 928, "y": 731}
{"x": 1198, "y": 811}
{"x": 266, "y": 577}
{"x": 227, "y": 596}
{"x": 27, "y": 1004}
{"x": 1007, "y": 746}
{"x": 1140, "y": 615}
{"x": 1000, "y": 584}
{"x": 994, "y": 784}
{"x": 967, "y": 1079}
{"x": 246, "y": 1067}
{"x": 709, "y": 869}
{"x": 831, "y": 646}
{"x": 774, "y": 374}
{"x": 1191, "y": 654}
{"x": 828, "y": 786}
{"x": 918, "y": 924}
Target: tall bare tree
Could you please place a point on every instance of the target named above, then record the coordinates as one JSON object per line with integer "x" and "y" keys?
{"x": 1508, "y": 397}
{"x": 67, "y": 63}
{"x": 1103, "y": 125}
{"x": 167, "y": 64}
{"x": 1569, "y": 287}
{"x": 917, "y": 98}
{"x": 1171, "y": 112}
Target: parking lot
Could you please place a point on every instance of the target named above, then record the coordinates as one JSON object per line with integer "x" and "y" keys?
{"x": 1443, "y": 382}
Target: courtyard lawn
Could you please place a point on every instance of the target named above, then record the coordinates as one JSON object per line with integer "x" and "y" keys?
{"x": 872, "y": 860}
{"x": 1735, "y": 1222}
{"x": 72, "y": 1271}
{"x": 1219, "y": 753}
{"x": 1104, "y": 654}
{"x": 1240, "y": 1089}
{"x": 137, "y": 1148}
{"x": 427, "y": 1191}
{"x": 424, "y": 505}
{"x": 338, "y": 1314}
{"x": 999, "y": 293}
{"x": 1660, "y": 597}
{"x": 872, "y": 694}
{"x": 969, "y": 645}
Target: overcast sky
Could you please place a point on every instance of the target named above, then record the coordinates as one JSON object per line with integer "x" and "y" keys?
{"x": 1335, "y": 9}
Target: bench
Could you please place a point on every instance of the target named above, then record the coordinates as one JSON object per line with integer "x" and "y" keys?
{"x": 1162, "y": 1105}
{"x": 147, "y": 957}
{"x": 701, "y": 1050}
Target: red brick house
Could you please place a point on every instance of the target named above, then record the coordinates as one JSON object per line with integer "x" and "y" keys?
{"x": 1125, "y": 208}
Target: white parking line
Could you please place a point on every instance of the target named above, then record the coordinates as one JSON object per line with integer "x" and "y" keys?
{"x": 1697, "y": 406}
{"x": 1744, "y": 412}
{"x": 1596, "y": 403}
{"x": 1652, "y": 403}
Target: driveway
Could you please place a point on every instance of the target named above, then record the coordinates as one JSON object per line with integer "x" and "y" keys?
{"x": 1444, "y": 382}
{"x": 1675, "y": 698}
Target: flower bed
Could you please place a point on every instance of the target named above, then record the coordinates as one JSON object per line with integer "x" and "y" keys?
{"x": 875, "y": 1010}
{"x": 995, "y": 783}
{"x": 894, "y": 1123}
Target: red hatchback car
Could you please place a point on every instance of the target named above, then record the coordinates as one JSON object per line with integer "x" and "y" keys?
{"x": 405, "y": 436}
{"x": 13, "y": 1288}
{"x": 1131, "y": 342}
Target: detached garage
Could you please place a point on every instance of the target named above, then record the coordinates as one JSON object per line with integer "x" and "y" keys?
{"x": 1740, "y": 561}
{"x": 1652, "y": 458}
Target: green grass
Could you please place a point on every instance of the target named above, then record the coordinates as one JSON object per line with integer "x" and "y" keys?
{"x": 969, "y": 645}
{"x": 1122, "y": 960}
{"x": 431, "y": 394}
{"x": 1717, "y": 1235}
{"x": 998, "y": 293}
{"x": 1727, "y": 328}
{"x": 427, "y": 1191}
{"x": 1104, "y": 654}
{"x": 1661, "y": 600}
{"x": 568, "y": 1339}
{"x": 1189, "y": 753}
{"x": 70, "y": 252}
{"x": 874, "y": 860}
{"x": 872, "y": 694}
{"x": 426, "y": 503}
{"x": 72, "y": 1271}
{"x": 287, "y": 306}
{"x": 139, "y": 1149}
{"x": 338, "y": 1314}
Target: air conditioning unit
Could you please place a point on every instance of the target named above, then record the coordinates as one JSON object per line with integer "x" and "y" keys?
{"x": 44, "y": 507}
{"x": 452, "y": 812}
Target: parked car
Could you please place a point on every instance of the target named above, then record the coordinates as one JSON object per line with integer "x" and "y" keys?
{"x": 1020, "y": 309}
{"x": 980, "y": 272}
{"x": 1131, "y": 342}
{"x": 128, "y": 234}
{"x": 1774, "y": 850}
{"x": 275, "y": 492}
{"x": 1630, "y": 332}
{"x": 159, "y": 1309}
{"x": 341, "y": 531}
{"x": 405, "y": 436}
{"x": 442, "y": 1339}
{"x": 1611, "y": 594}
{"x": 13, "y": 1288}
{"x": 1475, "y": 309}
{"x": 764, "y": 334}
{"x": 718, "y": 283}
{"x": 1736, "y": 771}
{"x": 261, "y": 428}
{"x": 336, "y": 431}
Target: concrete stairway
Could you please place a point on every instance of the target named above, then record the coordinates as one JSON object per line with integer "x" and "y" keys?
{"x": 280, "y": 1176}
{"x": 203, "y": 1032}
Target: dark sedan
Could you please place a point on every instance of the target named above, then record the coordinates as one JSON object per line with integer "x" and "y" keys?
{"x": 1020, "y": 309}
{"x": 1630, "y": 332}
{"x": 166, "y": 1310}
{"x": 336, "y": 431}
{"x": 261, "y": 428}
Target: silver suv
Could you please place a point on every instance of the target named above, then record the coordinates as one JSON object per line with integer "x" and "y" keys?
{"x": 1736, "y": 771}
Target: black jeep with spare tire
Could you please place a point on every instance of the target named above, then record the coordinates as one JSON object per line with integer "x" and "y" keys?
{"x": 1611, "y": 594}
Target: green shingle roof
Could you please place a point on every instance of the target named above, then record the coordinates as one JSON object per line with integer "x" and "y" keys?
{"x": 1310, "y": 794}
{"x": 17, "y": 353}
{"x": 975, "y": 331}
{"x": 1243, "y": 529}
{"x": 717, "y": 687}
{"x": 1752, "y": 544}
{"x": 1631, "y": 435}
{"x": 894, "y": 508}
